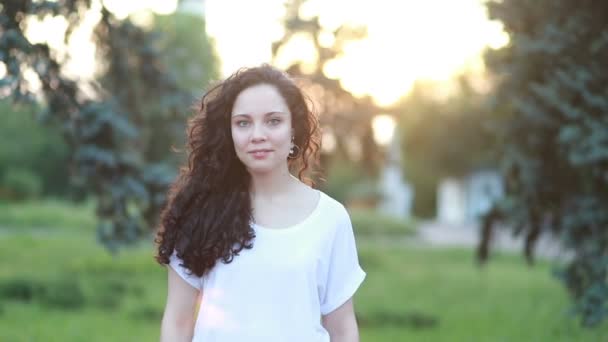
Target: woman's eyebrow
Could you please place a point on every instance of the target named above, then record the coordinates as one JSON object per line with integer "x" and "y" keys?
{"x": 269, "y": 113}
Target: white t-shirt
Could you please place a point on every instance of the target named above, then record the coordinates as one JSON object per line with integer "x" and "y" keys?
{"x": 278, "y": 290}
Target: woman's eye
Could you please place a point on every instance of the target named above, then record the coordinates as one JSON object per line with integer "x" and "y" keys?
{"x": 242, "y": 123}
{"x": 275, "y": 121}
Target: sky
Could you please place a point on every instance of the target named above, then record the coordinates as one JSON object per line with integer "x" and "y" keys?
{"x": 407, "y": 40}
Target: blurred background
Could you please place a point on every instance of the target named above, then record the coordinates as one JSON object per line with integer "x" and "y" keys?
{"x": 468, "y": 140}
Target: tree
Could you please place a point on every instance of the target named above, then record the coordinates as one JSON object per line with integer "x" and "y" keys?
{"x": 347, "y": 117}
{"x": 110, "y": 132}
{"x": 33, "y": 151}
{"x": 187, "y": 50}
{"x": 553, "y": 105}
{"x": 444, "y": 137}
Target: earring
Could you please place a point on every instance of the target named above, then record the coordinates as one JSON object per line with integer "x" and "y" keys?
{"x": 294, "y": 151}
{"x": 294, "y": 154}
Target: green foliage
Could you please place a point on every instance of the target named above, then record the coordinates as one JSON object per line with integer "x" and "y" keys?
{"x": 446, "y": 137}
{"x": 187, "y": 49}
{"x": 30, "y": 148}
{"x": 61, "y": 293}
{"x": 443, "y": 137}
{"x": 49, "y": 215}
{"x": 410, "y": 294}
{"x": 370, "y": 222}
{"x": 365, "y": 190}
{"x": 340, "y": 177}
{"x": 425, "y": 185}
{"x": 20, "y": 184}
{"x": 119, "y": 137}
{"x": 346, "y": 117}
{"x": 19, "y": 289}
{"x": 552, "y": 103}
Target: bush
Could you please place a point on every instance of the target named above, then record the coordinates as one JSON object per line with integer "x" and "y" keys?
{"x": 412, "y": 320}
{"x": 20, "y": 184}
{"x": 60, "y": 293}
{"x": 49, "y": 213}
{"x": 366, "y": 193}
{"x": 371, "y": 222}
{"x": 147, "y": 313}
{"x": 20, "y": 289}
{"x": 341, "y": 176}
{"x": 63, "y": 293}
{"x": 107, "y": 292}
{"x": 29, "y": 144}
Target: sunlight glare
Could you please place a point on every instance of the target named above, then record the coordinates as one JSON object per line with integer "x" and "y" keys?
{"x": 383, "y": 126}
{"x": 299, "y": 48}
{"x": 121, "y": 9}
{"x": 49, "y": 30}
{"x": 329, "y": 141}
{"x": 409, "y": 40}
{"x": 80, "y": 50}
{"x": 326, "y": 39}
{"x": 241, "y": 38}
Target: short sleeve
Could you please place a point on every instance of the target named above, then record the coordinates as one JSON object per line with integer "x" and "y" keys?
{"x": 176, "y": 263}
{"x": 344, "y": 274}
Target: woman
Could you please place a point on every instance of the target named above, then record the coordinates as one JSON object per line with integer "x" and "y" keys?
{"x": 270, "y": 258}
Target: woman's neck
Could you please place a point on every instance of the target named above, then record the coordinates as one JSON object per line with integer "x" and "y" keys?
{"x": 272, "y": 184}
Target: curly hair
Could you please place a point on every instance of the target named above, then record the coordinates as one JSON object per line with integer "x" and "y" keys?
{"x": 208, "y": 212}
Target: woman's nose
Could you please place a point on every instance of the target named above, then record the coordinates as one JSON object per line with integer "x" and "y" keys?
{"x": 259, "y": 133}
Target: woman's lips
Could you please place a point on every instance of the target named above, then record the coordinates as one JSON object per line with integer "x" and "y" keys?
{"x": 260, "y": 154}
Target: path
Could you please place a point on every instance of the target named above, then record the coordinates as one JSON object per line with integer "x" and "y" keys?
{"x": 439, "y": 234}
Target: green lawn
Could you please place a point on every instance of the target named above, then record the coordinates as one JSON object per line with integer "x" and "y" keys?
{"x": 68, "y": 289}
{"x": 49, "y": 214}
{"x": 416, "y": 294}
{"x": 58, "y": 284}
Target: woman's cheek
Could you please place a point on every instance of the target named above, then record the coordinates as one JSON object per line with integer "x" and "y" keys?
{"x": 239, "y": 138}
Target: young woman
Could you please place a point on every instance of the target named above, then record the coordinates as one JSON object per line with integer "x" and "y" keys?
{"x": 255, "y": 254}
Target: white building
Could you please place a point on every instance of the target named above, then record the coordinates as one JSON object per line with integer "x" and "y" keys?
{"x": 463, "y": 200}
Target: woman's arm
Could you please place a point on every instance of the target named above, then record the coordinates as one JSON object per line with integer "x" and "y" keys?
{"x": 178, "y": 319}
{"x": 342, "y": 324}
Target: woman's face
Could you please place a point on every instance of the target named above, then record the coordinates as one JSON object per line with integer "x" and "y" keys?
{"x": 261, "y": 128}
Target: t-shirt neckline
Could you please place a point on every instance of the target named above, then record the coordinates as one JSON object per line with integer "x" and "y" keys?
{"x": 293, "y": 227}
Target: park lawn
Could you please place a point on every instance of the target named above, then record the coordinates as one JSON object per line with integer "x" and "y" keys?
{"x": 421, "y": 294}
{"x": 78, "y": 292}
{"x": 47, "y": 215}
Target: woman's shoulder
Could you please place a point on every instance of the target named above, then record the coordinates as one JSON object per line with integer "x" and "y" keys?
{"x": 332, "y": 206}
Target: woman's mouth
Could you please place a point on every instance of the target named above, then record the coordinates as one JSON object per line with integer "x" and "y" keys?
{"x": 260, "y": 154}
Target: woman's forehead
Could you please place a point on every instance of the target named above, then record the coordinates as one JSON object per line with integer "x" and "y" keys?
{"x": 259, "y": 100}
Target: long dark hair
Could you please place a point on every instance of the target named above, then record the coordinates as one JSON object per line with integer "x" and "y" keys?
{"x": 208, "y": 210}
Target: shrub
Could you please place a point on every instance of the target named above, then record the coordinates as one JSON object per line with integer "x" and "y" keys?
{"x": 20, "y": 289}
{"x": 371, "y": 222}
{"x": 20, "y": 184}
{"x": 147, "y": 313}
{"x": 364, "y": 194}
{"x": 341, "y": 175}
{"x": 48, "y": 213}
{"x": 63, "y": 293}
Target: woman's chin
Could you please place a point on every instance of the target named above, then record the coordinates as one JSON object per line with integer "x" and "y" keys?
{"x": 262, "y": 168}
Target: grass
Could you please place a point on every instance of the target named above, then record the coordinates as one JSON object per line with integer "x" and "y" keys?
{"x": 410, "y": 293}
{"x": 120, "y": 298}
{"x": 441, "y": 295}
{"x": 48, "y": 214}
{"x": 370, "y": 222}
